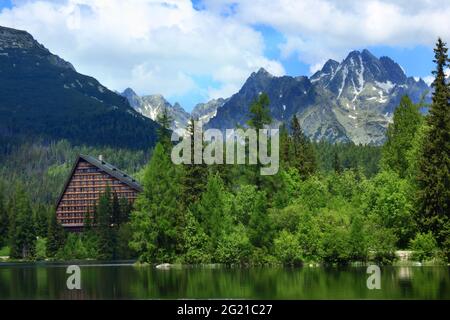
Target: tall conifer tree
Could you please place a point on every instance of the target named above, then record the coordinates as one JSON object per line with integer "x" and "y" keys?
{"x": 400, "y": 136}
{"x": 157, "y": 220}
{"x": 302, "y": 152}
{"x": 434, "y": 166}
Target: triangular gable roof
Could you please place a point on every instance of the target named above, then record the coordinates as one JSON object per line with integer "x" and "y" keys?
{"x": 105, "y": 166}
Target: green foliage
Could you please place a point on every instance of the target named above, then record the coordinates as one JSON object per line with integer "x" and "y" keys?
{"x": 213, "y": 210}
{"x": 260, "y": 112}
{"x": 104, "y": 226}
{"x": 424, "y": 246}
{"x": 361, "y": 157}
{"x": 158, "y": 219}
{"x": 4, "y": 251}
{"x": 234, "y": 247}
{"x": 55, "y": 236}
{"x": 122, "y": 250}
{"x": 389, "y": 199}
{"x": 434, "y": 164}
{"x": 287, "y": 248}
{"x": 79, "y": 246}
{"x": 41, "y": 244}
{"x": 301, "y": 152}
{"x": 22, "y": 234}
{"x": 4, "y": 219}
{"x": 197, "y": 243}
{"x": 194, "y": 175}
{"x": 400, "y": 137}
{"x": 260, "y": 230}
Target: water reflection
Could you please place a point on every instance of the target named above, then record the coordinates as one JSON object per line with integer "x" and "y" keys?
{"x": 128, "y": 282}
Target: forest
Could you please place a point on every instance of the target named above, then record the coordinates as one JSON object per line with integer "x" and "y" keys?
{"x": 328, "y": 204}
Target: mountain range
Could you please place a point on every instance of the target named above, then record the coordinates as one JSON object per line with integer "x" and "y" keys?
{"x": 348, "y": 101}
{"x": 152, "y": 105}
{"x": 43, "y": 95}
{"x": 352, "y": 100}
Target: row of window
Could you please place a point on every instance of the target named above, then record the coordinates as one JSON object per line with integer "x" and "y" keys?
{"x": 66, "y": 221}
{"x": 86, "y": 170}
{"x": 73, "y": 215}
{"x": 95, "y": 189}
{"x": 92, "y": 196}
{"x": 94, "y": 182}
{"x": 78, "y": 202}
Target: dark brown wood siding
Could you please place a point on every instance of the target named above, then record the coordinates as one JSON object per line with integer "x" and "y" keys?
{"x": 81, "y": 195}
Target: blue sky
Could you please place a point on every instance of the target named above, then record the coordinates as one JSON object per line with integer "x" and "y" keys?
{"x": 194, "y": 51}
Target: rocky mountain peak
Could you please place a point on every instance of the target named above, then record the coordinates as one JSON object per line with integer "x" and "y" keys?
{"x": 12, "y": 40}
{"x": 17, "y": 39}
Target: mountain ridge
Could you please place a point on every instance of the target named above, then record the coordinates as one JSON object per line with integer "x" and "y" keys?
{"x": 43, "y": 96}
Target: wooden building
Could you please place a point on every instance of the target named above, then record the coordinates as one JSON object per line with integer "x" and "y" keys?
{"x": 87, "y": 182}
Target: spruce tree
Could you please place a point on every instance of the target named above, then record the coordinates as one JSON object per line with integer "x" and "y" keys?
{"x": 434, "y": 165}
{"x": 302, "y": 151}
{"x": 259, "y": 118}
{"x": 116, "y": 215}
{"x": 55, "y": 236}
{"x": 212, "y": 212}
{"x": 125, "y": 210}
{"x": 4, "y": 220}
{"x": 260, "y": 112}
{"x": 21, "y": 229}
{"x": 284, "y": 146}
{"x": 400, "y": 137}
{"x": 164, "y": 119}
{"x": 337, "y": 162}
{"x": 194, "y": 175}
{"x": 103, "y": 227}
{"x": 158, "y": 219}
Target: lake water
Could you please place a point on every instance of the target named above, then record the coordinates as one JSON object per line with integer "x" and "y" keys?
{"x": 125, "y": 281}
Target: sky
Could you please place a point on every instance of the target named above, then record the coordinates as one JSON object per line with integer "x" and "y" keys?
{"x": 194, "y": 51}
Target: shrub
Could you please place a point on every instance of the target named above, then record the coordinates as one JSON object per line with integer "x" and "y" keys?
{"x": 234, "y": 248}
{"x": 41, "y": 248}
{"x": 424, "y": 246}
{"x": 287, "y": 248}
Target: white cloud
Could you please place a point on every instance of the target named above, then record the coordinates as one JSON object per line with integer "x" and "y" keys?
{"x": 150, "y": 45}
{"x": 316, "y": 30}
{"x": 428, "y": 79}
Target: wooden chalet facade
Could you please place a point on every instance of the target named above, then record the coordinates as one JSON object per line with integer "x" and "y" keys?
{"x": 87, "y": 182}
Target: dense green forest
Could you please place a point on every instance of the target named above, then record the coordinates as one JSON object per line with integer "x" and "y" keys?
{"x": 329, "y": 203}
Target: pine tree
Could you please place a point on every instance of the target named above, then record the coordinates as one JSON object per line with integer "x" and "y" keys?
{"x": 55, "y": 236}
{"x": 284, "y": 146}
{"x": 337, "y": 162}
{"x": 103, "y": 227}
{"x": 400, "y": 137}
{"x": 158, "y": 219}
{"x": 194, "y": 175}
{"x": 125, "y": 210}
{"x": 211, "y": 211}
{"x": 259, "y": 225}
{"x": 259, "y": 118}
{"x": 434, "y": 166}
{"x": 21, "y": 229}
{"x": 4, "y": 220}
{"x": 116, "y": 215}
{"x": 164, "y": 119}
{"x": 260, "y": 112}
{"x": 302, "y": 151}
{"x": 40, "y": 220}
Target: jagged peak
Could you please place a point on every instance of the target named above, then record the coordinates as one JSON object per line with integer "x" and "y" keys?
{"x": 262, "y": 72}
{"x": 129, "y": 91}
